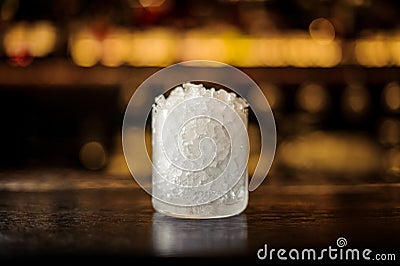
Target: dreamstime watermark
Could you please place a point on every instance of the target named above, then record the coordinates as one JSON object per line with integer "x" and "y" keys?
{"x": 338, "y": 252}
{"x": 140, "y": 106}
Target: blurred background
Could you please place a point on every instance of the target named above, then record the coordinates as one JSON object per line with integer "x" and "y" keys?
{"x": 330, "y": 70}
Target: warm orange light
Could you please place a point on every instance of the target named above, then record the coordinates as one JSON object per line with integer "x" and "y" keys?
{"x": 272, "y": 93}
{"x": 297, "y": 52}
{"x": 394, "y": 48}
{"x": 162, "y": 46}
{"x": 273, "y": 54}
{"x": 203, "y": 47}
{"x": 152, "y": 48}
{"x": 391, "y": 95}
{"x": 93, "y": 155}
{"x": 389, "y": 131}
{"x": 372, "y": 52}
{"x": 37, "y": 39}
{"x": 326, "y": 55}
{"x": 15, "y": 40}
{"x": 322, "y": 30}
{"x": 312, "y": 98}
{"x": 355, "y": 99}
{"x": 393, "y": 161}
{"x": 151, "y": 3}
{"x": 86, "y": 52}
{"x": 41, "y": 38}
{"x": 241, "y": 52}
{"x": 116, "y": 49}
{"x": 330, "y": 152}
{"x": 85, "y": 49}
{"x": 8, "y": 9}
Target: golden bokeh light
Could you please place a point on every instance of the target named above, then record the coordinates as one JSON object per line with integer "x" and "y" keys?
{"x": 155, "y": 47}
{"x": 93, "y": 156}
{"x": 151, "y": 3}
{"x": 391, "y": 96}
{"x": 41, "y": 38}
{"x": 312, "y": 98}
{"x": 322, "y": 30}
{"x": 37, "y": 39}
{"x": 85, "y": 49}
{"x": 198, "y": 46}
{"x": 326, "y": 55}
{"x": 296, "y": 50}
{"x": 330, "y": 152}
{"x": 271, "y": 52}
{"x": 15, "y": 40}
{"x": 393, "y": 161}
{"x": 355, "y": 100}
{"x": 372, "y": 52}
{"x": 389, "y": 132}
{"x": 241, "y": 52}
{"x": 163, "y": 46}
{"x": 273, "y": 94}
{"x": 115, "y": 49}
{"x": 8, "y": 8}
{"x": 394, "y": 48}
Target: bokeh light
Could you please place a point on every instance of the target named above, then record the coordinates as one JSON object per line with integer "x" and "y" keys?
{"x": 41, "y": 38}
{"x": 22, "y": 41}
{"x": 322, "y": 30}
{"x": 155, "y": 47}
{"x": 273, "y": 94}
{"x": 8, "y": 8}
{"x": 115, "y": 48}
{"x": 330, "y": 152}
{"x": 93, "y": 156}
{"x": 393, "y": 161}
{"x": 389, "y": 131}
{"x": 372, "y": 52}
{"x": 355, "y": 100}
{"x": 85, "y": 49}
{"x": 391, "y": 96}
{"x": 312, "y": 98}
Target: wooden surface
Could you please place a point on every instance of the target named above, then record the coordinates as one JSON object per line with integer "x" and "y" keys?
{"x": 92, "y": 216}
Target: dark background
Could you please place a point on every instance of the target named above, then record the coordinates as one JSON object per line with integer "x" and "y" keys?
{"x": 68, "y": 69}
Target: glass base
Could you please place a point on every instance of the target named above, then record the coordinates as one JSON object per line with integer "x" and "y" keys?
{"x": 212, "y": 210}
